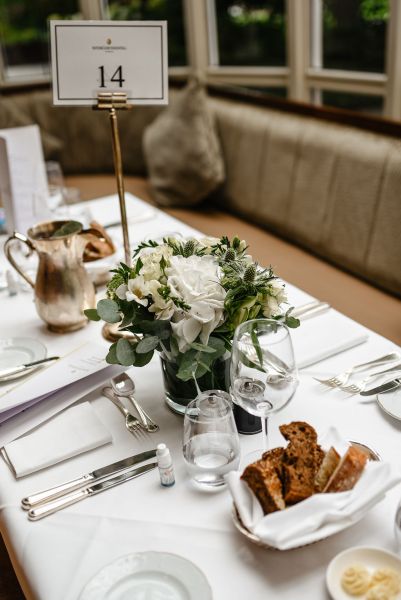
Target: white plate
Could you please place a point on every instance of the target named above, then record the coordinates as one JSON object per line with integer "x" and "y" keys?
{"x": 390, "y": 402}
{"x": 371, "y": 558}
{"x": 19, "y": 351}
{"x": 150, "y": 575}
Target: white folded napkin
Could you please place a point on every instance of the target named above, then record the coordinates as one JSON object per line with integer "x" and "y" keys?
{"x": 71, "y": 432}
{"x": 324, "y": 336}
{"x": 317, "y": 517}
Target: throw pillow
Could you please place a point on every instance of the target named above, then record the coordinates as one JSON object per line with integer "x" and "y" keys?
{"x": 182, "y": 150}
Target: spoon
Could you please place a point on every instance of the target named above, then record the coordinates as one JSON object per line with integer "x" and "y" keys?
{"x": 123, "y": 385}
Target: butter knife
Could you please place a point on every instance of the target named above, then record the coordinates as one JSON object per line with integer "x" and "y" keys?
{"x": 385, "y": 387}
{"x": 85, "y": 480}
{"x": 14, "y": 370}
{"x": 48, "y": 508}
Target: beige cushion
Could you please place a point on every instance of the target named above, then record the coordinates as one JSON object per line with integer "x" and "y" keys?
{"x": 182, "y": 151}
{"x": 11, "y": 115}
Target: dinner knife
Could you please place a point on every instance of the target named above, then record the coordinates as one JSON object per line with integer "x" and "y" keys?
{"x": 48, "y": 508}
{"x": 85, "y": 480}
{"x": 15, "y": 370}
{"x": 385, "y": 387}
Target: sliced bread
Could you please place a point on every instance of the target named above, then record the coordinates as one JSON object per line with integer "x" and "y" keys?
{"x": 327, "y": 468}
{"x": 348, "y": 471}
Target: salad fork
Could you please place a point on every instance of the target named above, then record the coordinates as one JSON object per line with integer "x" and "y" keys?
{"x": 359, "y": 386}
{"x": 132, "y": 423}
{"x": 342, "y": 378}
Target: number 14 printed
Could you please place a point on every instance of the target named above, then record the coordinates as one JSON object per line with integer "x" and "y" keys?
{"x": 117, "y": 77}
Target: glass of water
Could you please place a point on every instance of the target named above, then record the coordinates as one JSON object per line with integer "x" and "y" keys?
{"x": 211, "y": 444}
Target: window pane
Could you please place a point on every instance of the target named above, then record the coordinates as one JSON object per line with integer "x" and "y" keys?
{"x": 354, "y": 34}
{"x": 24, "y": 34}
{"x": 360, "y": 102}
{"x": 156, "y": 10}
{"x": 251, "y": 33}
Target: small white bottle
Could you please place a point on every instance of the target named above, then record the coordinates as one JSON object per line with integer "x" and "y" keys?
{"x": 165, "y": 465}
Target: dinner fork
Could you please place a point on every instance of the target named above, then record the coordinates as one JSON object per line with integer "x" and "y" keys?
{"x": 132, "y": 423}
{"x": 359, "y": 386}
{"x": 342, "y": 378}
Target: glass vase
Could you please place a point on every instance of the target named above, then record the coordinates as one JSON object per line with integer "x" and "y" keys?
{"x": 179, "y": 393}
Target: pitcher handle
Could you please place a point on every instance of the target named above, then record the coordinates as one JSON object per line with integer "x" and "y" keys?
{"x": 11, "y": 259}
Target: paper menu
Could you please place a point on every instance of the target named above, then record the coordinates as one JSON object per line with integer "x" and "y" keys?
{"x": 78, "y": 364}
{"x": 23, "y": 183}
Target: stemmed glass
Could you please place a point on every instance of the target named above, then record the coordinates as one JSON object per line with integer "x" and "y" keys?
{"x": 263, "y": 372}
{"x": 55, "y": 183}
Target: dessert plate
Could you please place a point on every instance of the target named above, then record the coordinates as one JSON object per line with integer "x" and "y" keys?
{"x": 150, "y": 575}
{"x": 18, "y": 351}
{"x": 390, "y": 403}
{"x": 371, "y": 558}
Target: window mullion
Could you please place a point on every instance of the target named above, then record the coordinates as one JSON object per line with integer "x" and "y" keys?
{"x": 298, "y": 48}
{"x": 392, "y": 107}
{"x": 197, "y": 34}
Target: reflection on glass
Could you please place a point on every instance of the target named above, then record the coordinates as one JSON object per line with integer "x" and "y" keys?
{"x": 359, "y": 102}
{"x": 155, "y": 10}
{"x": 24, "y": 34}
{"x": 354, "y": 34}
{"x": 251, "y": 33}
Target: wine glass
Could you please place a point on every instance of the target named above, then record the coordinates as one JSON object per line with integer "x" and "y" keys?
{"x": 263, "y": 372}
{"x": 211, "y": 444}
{"x": 55, "y": 183}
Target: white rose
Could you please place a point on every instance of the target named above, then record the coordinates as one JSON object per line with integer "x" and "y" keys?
{"x": 195, "y": 280}
{"x": 136, "y": 291}
{"x": 151, "y": 261}
{"x": 207, "y": 243}
{"x": 163, "y": 309}
{"x": 277, "y": 296}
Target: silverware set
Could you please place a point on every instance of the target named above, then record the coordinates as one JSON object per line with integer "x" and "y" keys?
{"x": 46, "y": 502}
{"x": 342, "y": 380}
{"x": 123, "y": 386}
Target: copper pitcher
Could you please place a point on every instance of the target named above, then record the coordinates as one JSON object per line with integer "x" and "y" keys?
{"x": 63, "y": 289}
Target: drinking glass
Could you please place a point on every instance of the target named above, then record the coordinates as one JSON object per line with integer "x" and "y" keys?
{"x": 263, "y": 372}
{"x": 211, "y": 444}
{"x": 397, "y": 527}
{"x": 55, "y": 184}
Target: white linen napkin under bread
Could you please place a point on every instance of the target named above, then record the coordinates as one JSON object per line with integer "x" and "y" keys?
{"x": 76, "y": 430}
{"x": 319, "y": 516}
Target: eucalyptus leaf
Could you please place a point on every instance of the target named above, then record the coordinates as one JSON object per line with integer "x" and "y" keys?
{"x": 108, "y": 311}
{"x": 142, "y": 359}
{"x": 147, "y": 344}
{"x": 111, "y": 357}
{"x": 67, "y": 229}
{"x": 292, "y": 322}
{"x": 202, "y": 347}
{"x": 125, "y": 353}
{"x": 92, "y": 315}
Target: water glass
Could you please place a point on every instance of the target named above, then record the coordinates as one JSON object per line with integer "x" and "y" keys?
{"x": 211, "y": 444}
{"x": 397, "y": 527}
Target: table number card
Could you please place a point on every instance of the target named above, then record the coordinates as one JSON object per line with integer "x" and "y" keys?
{"x": 89, "y": 57}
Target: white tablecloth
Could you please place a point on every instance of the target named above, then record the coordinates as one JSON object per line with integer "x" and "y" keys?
{"x": 54, "y": 558}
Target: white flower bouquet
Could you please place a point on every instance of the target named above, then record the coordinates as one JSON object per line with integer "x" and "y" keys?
{"x": 185, "y": 298}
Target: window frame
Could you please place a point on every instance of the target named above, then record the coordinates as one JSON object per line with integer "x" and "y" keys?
{"x": 304, "y": 77}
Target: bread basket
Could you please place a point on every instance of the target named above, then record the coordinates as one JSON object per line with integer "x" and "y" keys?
{"x": 238, "y": 524}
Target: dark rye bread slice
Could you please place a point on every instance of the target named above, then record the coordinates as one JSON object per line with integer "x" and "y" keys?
{"x": 263, "y": 479}
{"x": 348, "y": 471}
{"x": 300, "y": 461}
